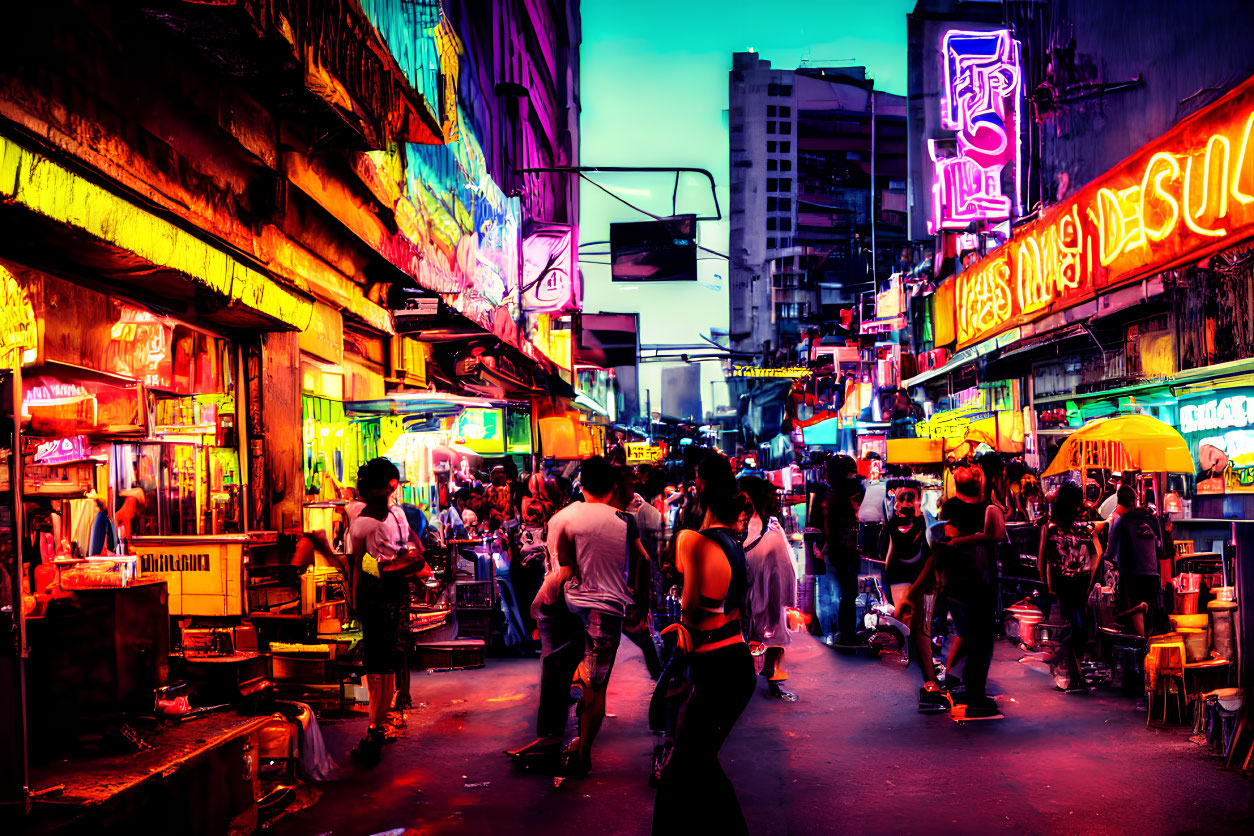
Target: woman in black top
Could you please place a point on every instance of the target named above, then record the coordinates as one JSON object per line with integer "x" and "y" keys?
{"x": 694, "y": 794}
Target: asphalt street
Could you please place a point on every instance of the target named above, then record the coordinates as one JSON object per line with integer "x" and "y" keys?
{"x": 852, "y": 756}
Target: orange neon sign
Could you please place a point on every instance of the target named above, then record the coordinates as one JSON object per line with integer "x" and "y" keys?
{"x": 1178, "y": 199}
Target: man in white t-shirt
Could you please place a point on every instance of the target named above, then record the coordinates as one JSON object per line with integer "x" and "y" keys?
{"x": 581, "y": 603}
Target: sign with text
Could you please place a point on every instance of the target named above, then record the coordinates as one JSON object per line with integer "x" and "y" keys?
{"x": 980, "y": 102}
{"x": 1178, "y": 199}
{"x": 1219, "y": 428}
{"x": 754, "y": 371}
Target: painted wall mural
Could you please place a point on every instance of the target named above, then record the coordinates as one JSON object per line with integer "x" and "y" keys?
{"x": 464, "y": 232}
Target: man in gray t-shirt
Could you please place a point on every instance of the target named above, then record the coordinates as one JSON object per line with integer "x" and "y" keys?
{"x": 586, "y": 586}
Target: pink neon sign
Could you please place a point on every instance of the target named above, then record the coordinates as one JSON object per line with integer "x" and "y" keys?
{"x": 980, "y": 101}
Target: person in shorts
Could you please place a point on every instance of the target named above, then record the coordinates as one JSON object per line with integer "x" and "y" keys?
{"x": 383, "y": 557}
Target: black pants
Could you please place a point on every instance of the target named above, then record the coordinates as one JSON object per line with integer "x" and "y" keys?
{"x": 847, "y": 613}
{"x": 695, "y": 795}
{"x": 1074, "y": 605}
{"x": 561, "y": 651}
{"x": 974, "y": 618}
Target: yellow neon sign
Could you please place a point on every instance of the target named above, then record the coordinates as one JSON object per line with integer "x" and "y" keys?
{"x": 1178, "y": 199}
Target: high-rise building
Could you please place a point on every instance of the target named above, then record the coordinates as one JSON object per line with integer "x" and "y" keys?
{"x": 818, "y": 196}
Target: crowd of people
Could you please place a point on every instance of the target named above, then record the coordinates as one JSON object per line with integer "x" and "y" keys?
{"x": 700, "y": 575}
{"x": 947, "y": 567}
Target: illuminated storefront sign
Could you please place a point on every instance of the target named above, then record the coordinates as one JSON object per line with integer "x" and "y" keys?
{"x": 18, "y": 336}
{"x": 980, "y": 101}
{"x": 549, "y": 276}
{"x": 1220, "y": 434}
{"x": 1178, "y": 199}
{"x": 754, "y": 371}
{"x": 953, "y": 423}
{"x": 481, "y": 430}
{"x": 642, "y": 452}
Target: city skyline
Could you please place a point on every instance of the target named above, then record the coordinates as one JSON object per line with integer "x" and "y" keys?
{"x": 628, "y": 60}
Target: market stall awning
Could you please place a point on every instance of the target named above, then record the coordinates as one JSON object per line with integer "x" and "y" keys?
{"x": 1148, "y": 444}
{"x": 108, "y": 236}
{"x": 435, "y": 405}
{"x": 584, "y": 402}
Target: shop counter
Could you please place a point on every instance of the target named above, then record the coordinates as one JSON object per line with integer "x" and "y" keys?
{"x": 198, "y": 776}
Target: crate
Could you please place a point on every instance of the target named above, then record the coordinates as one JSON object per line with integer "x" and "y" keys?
{"x": 474, "y": 623}
{"x": 476, "y": 594}
{"x": 459, "y": 654}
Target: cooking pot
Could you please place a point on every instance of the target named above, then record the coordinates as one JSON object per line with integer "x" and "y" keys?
{"x": 1028, "y": 623}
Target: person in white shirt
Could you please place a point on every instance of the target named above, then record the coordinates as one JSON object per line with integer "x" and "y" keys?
{"x": 772, "y": 586}
{"x": 383, "y": 555}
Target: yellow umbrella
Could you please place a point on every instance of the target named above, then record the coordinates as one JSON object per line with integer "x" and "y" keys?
{"x": 1148, "y": 444}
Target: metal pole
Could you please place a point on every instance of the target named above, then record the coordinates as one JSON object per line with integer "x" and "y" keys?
{"x": 875, "y": 276}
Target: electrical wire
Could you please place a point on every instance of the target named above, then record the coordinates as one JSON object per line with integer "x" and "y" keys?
{"x": 657, "y": 218}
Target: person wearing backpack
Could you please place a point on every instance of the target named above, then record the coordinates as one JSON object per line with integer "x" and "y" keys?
{"x": 1068, "y": 561}
{"x": 1135, "y": 546}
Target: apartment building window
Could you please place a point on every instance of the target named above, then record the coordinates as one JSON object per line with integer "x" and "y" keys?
{"x": 785, "y": 184}
{"x": 771, "y": 204}
{"x": 785, "y": 224}
{"x": 770, "y": 147}
{"x": 785, "y": 110}
{"x": 770, "y": 127}
{"x": 770, "y": 243}
{"x": 785, "y": 147}
{"x": 784, "y": 90}
{"x": 770, "y": 110}
{"x": 772, "y": 164}
{"x": 772, "y": 184}
{"x": 770, "y": 223}
{"x": 772, "y": 89}
{"x": 791, "y": 310}
{"x": 785, "y": 165}
{"x": 785, "y": 204}
{"x": 785, "y": 127}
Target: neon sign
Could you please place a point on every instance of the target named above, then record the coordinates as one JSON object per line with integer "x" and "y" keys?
{"x": 1176, "y": 200}
{"x": 18, "y": 335}
{"x": 548, "y": 268}
{"x": 980, "y": 101}
{"x": 1219, "y": 414}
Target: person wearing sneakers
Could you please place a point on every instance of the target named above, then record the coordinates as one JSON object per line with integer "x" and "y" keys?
{"x": 382, "y": 557}
{"x": 960, "y": 558}
{"x": 772, "y": 585}
{"x": 1068, "y": 560}
{"x": 906, "y": 550}
{"x": 581, "y": 607}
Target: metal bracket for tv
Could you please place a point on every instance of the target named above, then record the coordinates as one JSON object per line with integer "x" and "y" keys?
{"x": 582, "y": 170}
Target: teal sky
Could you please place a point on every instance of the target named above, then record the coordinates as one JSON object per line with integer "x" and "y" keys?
{"x": 653, "y": 84}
